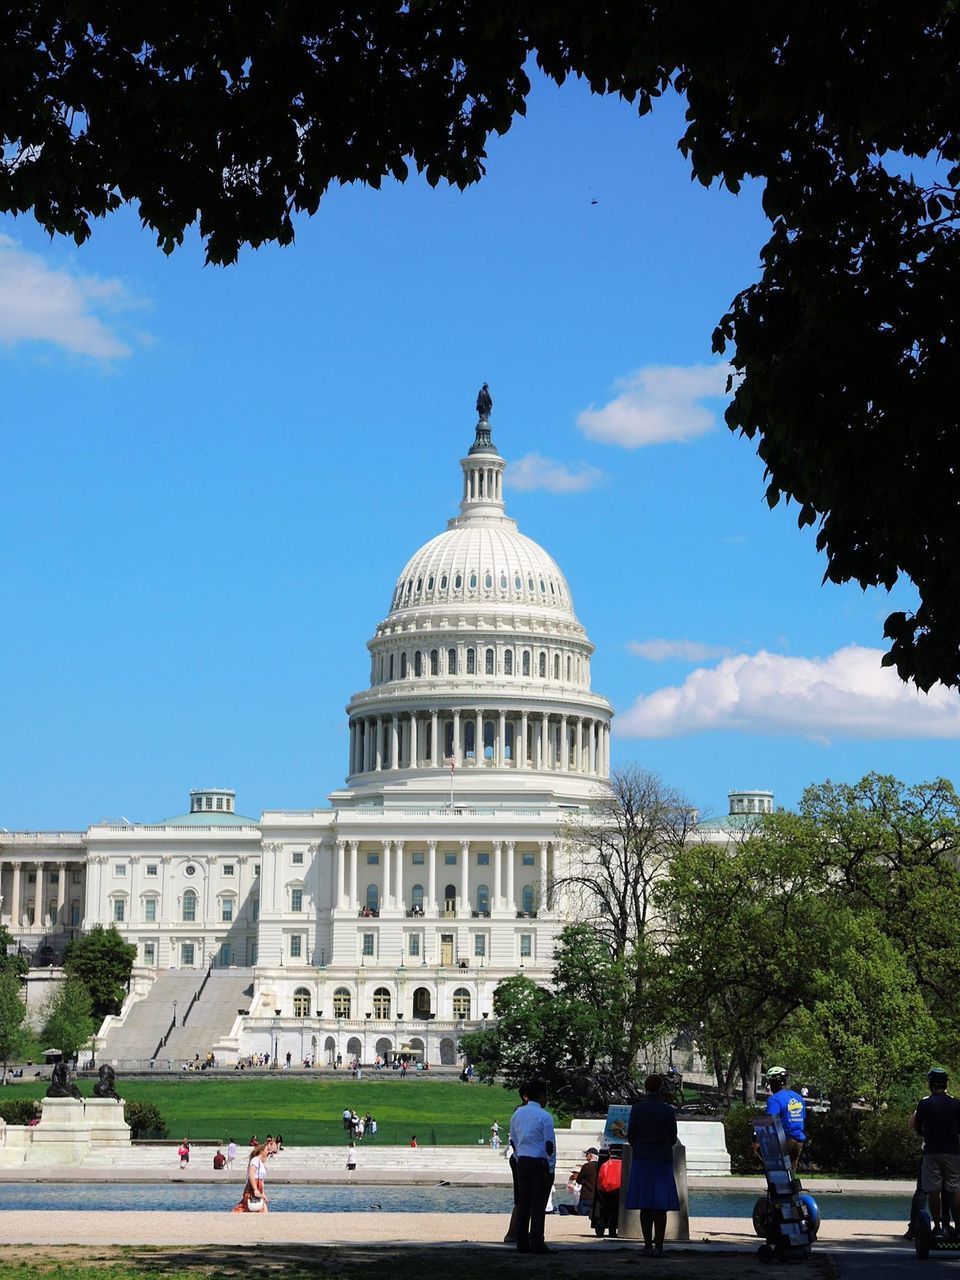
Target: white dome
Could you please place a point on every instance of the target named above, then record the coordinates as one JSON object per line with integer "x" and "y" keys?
{"x": 476, "y": 563}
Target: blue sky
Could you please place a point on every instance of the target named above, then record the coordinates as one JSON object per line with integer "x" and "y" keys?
{"x": 212, "y": 478}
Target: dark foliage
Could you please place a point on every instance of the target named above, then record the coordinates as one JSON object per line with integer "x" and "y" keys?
{"x": 145, "y": 1120}
{"x": 18, "y": 1110}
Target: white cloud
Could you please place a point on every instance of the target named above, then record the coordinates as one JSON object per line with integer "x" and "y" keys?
{"x": 679, "y": 650}
{"x": 534, "y": 471}
{"x": 657, "y": 404}
{"x": 845, "y": 695}
{"x": 41, "y": 303}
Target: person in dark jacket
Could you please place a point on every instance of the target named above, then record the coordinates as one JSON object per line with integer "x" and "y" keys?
{"x": 652, "y": 1134}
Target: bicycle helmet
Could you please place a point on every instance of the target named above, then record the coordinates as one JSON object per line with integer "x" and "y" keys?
{"x": 937, "y": 1078}
{"x": 777, "y": 1075}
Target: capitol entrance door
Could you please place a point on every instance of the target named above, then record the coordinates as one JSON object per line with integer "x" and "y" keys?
{"x": 446, "y": 948}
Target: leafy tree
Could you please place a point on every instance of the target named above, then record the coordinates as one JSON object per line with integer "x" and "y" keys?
{"x": 238, "y": 117}
{"x": 619, "y": 849}
{"x": 69, "y": 1021}
{"x": 13, "y": 1035}
{"x": 104, "y": 962}
{"x": 11, "y": 960}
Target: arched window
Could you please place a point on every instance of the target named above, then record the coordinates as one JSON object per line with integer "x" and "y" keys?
{"x": 381, "y": 1003}
{"x": 556, "y": 666}
{"x": 471, "y": 662}
{"x": 461, "y": 1003}
{"x": 373, "y": 898}
{"x": 189, "y": 906}
{"x": 443, "y": 582}
{"x": 434, "y": 662}
{"x": 403, "y": 666}
{"x": 419, "y": 585}
{"x": 458, "y": 581}
{"x": 543, "y": 664}
{"x": 530, "y": 586}
{"x": 430, "y": 583}
{"x": 503, "y": 581}
{"x": 488, "y": 580}
{"x": 451, "y": 662}
{"x": 526, "y": 662}
{"x": 569, "y": 669}
{"x": 301, "y": 1003}
{"x": 488, "y": 737}
{"x": 341, "y": 1003}
{"x": 416, "y": 897}
{"x": 473, "y": 582}
{"x": 508, "y": 663}
{"x": 488, "y": 662}
{"x": 421, "y": 1002}
{"x": 469, "y": 739}
{"x": 418, "y": 663}
{"x": 543, "y": 589}
{"x": 390, "y": 667}
{"x": 483, "y": 899}
{"x": 450, "y": 897}
{"x": 517, "y": 583}
{"x": 527, "y": 899}
{"x": 409, "y": 587}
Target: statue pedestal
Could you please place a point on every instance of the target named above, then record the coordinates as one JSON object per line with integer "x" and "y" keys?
{"x": 70, "y": 1129}
{"x": 678, "y": 1222}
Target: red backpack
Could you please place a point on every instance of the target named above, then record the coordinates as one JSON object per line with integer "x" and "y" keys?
{"x": 609, "y": 1175}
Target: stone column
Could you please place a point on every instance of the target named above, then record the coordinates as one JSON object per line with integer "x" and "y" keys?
{"x": 543, "y": 746}
{"x": 398, "y": 897}
{"x": 354, "y": 901}
{"x": 432, "y": 877}
{"x": 16, "y": 912}
{"x": 434, "y": 741}
{"x": 606, "y": 751}
{"x": 394, "y": 743}
{"x": 457, "y": 760}
{"x": 521, "y": 755}
{"x": 579, "y": 746}
{"x": 465, "y": 877}
{"x": 564, "y": 746}
{"x": 412, "y": 762}
{"x": 353, "y": 746}
{"x": 502, "y": 744}
{"x": 542, "y": 903}
{"x": 39, "y": 897}
{"x": 478, "y": 737}
{"x": 497, "y": 875}
{"x": 511, "y": 893}
{"x": 338, "y": 892}
{"x": 386, "y": 898}
{"x": 378, "y": 759}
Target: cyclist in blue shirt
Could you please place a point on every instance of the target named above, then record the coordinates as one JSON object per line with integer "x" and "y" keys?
{"x": 791, "y": 1109}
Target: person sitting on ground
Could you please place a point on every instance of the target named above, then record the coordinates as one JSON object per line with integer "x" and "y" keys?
{"x": 586, "y": 1180}
{"x": 219, "y": 1160}
{"x": 937, "y": 1121}
{"x": 791, "y": 1109}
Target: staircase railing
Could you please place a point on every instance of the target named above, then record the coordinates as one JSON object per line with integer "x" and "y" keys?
{"x": 197, "y": 994}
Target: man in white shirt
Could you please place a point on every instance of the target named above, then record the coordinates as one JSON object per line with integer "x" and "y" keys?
{"x": 533, "y": 1139}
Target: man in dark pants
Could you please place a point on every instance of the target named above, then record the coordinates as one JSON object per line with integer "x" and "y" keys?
{"x": 534, "y": 1141}
{"x": 937, "y": 1121}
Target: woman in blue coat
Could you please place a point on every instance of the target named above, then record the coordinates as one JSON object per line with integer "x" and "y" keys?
{"x": 652, "y": 1134}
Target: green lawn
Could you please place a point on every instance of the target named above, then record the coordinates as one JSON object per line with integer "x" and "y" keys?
{"x": 307, "y": 1111}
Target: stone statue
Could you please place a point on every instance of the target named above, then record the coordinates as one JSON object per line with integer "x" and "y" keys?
{"x": 61, "y": 1086}
{"x": 484, "y": 402}
{"x": 106, "y": 1086}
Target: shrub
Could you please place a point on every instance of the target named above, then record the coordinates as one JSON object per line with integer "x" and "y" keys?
{"x": 833, "y": 1140}
{"x": 18, "y": 1110}
{"x": 738, "y": 1128}
{"x": 145, "y": 1120}
{"x": 887, "y": 1146}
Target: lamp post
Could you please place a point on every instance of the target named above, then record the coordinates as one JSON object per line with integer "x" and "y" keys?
{"x": 276, "y": 1035}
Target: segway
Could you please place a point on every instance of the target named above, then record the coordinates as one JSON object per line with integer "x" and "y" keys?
{"x": 787, "y": 1217}
{"x": 920, "y": 1230}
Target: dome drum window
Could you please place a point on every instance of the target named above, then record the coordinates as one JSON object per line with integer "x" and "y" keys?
{"x": 418, "y": 663}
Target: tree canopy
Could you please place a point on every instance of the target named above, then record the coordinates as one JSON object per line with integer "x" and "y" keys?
{"x": 236, "y": 117}
{"x": 13, "y": 1011}
{"x": 69, "y": 1020}
{"x": 103, "y": 962}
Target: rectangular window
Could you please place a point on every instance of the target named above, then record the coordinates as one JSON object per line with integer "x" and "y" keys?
{"x": 76, "y": 877}
{"x": 54, "y": 877}
{"x": 254, "y": 909}
{"x": 186, "y": 954}
{"x": 149, "y": 953}
{"x": 228, "y": 868}
{"x": 526, "y": 944}
{"x": 119, "y": 909}
{"x": 226, "y": 910}
{"x": 449, "y": 859}
{"x": 483, "y": 859}
{"x": 120, "y": 869}
{"x": 150, "y": 910}
{"x": 413, "y": 944}
{"x": 31, "y": 877}
{"x": 296, "y": 899}
{"x": 526, "y": 859}
{"x": 417, "y": 858}
{"x": 368, "y": 944}
{"x": 298, "y": 859}
{"x": 296, "y": 946}
{"x": 75, "y": 915}
{"x": 219, "y": 802}
{"x": 471, "y": 662}
{"x": 151, "y": 868}
{"x": 373, "y": 859}
{"x": 479, "y": 944}
{"x": 256, "y": 868}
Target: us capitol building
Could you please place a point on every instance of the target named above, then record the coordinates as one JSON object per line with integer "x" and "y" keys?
{"x": 386, "y": 920}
